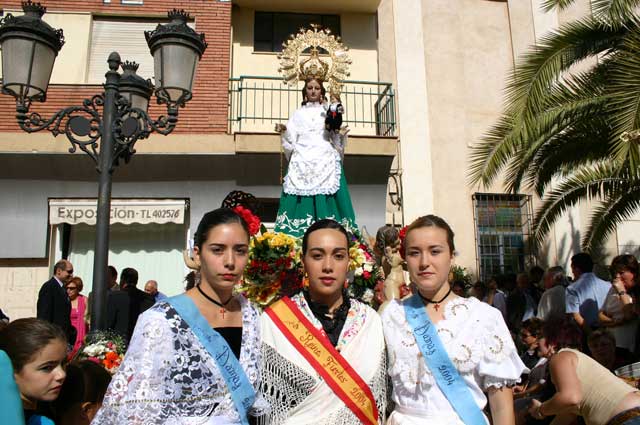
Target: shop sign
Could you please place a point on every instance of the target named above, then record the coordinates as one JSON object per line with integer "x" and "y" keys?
{"x": 124, "y": 211}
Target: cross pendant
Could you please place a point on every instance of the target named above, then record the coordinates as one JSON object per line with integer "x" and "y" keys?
{"x": 436, "y": 306}
{"x": 222, "y": 311}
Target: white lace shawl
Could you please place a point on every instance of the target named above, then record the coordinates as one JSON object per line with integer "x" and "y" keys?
{"x": 168, "y": 377}
{"x": 476, "y": 339}
{"x": 296, "y": 392}
{"x": 315, "y": 153}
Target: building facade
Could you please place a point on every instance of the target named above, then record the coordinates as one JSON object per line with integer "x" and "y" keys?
{"x": 426, "y": 82}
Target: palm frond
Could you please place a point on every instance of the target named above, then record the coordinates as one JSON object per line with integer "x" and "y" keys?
{"x": 624, "y": 105}
{"x": 571, "y": 100}
{"x": 616, "y": 208}
{"x": 584, "y": 144}
{"x": 616, "y": 12}
{"x": 540, "y": 68}
{"x": 548, "y": 5}
{"x": 586, "y": 183}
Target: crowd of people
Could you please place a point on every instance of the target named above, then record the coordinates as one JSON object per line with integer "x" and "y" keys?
{"x": 594, "y": 322}
{"x": 530, "y": 348}
{"x": 513, "y": 352}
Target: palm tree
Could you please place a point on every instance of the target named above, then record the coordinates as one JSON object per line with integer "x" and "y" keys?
{"x": 579, "y": 130}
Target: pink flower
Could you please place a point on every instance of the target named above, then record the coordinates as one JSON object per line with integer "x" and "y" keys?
{"x": 94, "y": 359}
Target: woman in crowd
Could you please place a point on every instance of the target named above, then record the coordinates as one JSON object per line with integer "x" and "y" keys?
{"x": 620, "y": 311}
{"x": 78, "y": 310}
{"x": 583, "y": 386}
{"x": 82, "y": 393}
{"x": 194, "y": 358}
{"x": 315, "y": 186}
{"x": 37, "y": 350}
{"x": 338, "y": 375}
{"x": 446, "y": 351}
{"x": 602, "y": 346}
{"x": 529, "y": 335}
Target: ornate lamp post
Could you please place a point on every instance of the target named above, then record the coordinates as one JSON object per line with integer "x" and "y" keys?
{"x": 107, "y": 126}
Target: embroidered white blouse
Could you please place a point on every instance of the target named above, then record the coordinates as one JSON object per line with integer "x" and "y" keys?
{"x": 479, "y": 345}
{"x": 314, "y": 152}
{"x": 168, "y": 377}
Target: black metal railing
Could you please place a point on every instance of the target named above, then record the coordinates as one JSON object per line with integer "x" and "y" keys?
{"x": 257, "y": 103}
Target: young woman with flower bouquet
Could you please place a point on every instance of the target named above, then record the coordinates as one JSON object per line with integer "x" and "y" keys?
{"x": 337, "y": 375}
{"x": 194, "y": 358}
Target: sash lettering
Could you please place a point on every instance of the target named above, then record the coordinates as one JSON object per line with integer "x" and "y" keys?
{"x": 325, "y": 359}
{"x": 435, "y": 355}
{"x": 241, "y": 390}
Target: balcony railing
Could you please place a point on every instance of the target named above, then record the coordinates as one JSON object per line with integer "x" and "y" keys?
{"x": 256, "y": 104}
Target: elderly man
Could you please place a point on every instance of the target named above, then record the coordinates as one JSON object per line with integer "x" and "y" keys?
{"x": 151, "y": 288}
{"x": 552, "y": 302}
{"x": 53, "y": 302}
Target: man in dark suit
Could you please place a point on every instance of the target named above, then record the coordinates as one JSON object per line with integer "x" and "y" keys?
{"x": 124, "y": 306}
{"x": 53, "y": 302}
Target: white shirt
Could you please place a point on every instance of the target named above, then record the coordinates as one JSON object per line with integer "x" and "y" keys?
{"x": 552, "y": 302}
{"x": 479, "y": 345}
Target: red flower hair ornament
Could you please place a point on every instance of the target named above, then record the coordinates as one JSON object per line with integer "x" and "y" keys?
{"x": 402, "y": 235}
{"x": 252, "y": 220}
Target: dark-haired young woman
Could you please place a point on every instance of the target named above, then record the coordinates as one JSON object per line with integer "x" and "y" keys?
{"x": 323, "y": 353}
{"x": 583, "y": 386}
{"x": 37, "y": 350}
{"x": 194, "y": 358}
{"x": 446, "y": 352}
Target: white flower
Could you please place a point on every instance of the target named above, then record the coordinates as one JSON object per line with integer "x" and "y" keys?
{"x": 94, "y": 350}
{"x": 358, "y": 271}
{"x": 368, "y": 267}
{"x": 367, "y": 297}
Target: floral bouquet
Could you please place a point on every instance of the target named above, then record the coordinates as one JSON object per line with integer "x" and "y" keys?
{"x": 105, "y": 348}
{"x": 273, "y": 268}
{"x": 366, "y": 272}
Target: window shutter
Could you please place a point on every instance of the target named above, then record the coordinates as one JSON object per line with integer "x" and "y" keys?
{"x": 126, "y": 36}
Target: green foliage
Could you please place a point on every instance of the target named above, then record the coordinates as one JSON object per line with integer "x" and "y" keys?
{"x": 573, "y": 135}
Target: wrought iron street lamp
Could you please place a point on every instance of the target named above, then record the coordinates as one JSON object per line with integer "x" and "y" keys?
{"x": 107, "y": 126}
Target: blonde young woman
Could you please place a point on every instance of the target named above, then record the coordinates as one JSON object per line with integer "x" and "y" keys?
{"x": 445, "y": 351}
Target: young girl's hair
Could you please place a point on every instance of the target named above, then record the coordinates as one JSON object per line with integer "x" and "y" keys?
{"x": 24, "y": 338}
{"x": 86, "y": 382}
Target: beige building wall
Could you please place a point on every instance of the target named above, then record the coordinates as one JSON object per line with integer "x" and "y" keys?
{"x": 358, "y": 32}
{"x": 20, "y": 282}
{"x": 452, "y": 94}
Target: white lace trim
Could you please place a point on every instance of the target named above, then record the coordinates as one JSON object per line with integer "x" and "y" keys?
{"x": 167, "y": 374}
{"x": 477, "y": 342}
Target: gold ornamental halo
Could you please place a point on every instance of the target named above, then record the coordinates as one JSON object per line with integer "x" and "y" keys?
{"x": 295, "y": 65}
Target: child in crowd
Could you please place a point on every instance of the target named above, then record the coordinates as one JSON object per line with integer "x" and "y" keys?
{"x": 37, "y": 350}
{"x": 82, "y": 393}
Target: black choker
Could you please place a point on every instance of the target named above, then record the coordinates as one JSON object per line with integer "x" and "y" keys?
{"x": 436, "y": 304}
{"x": 222, "y": 306}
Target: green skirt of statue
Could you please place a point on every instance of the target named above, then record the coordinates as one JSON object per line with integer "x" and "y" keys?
{"x": 297, "y": 213}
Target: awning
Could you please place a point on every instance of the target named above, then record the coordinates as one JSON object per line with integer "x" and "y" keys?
{"x": 125, "y": 211}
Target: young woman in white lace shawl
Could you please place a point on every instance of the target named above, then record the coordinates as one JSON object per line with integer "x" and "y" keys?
{"x": 438, "y": 341}
{"x": 169, "y": 374}
{"x": 349, "y": 332}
